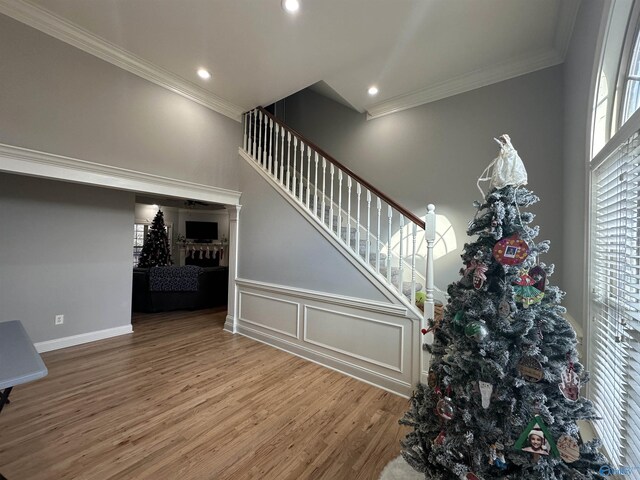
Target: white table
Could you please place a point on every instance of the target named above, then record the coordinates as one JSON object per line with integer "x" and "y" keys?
{"x": 19, "y": 361}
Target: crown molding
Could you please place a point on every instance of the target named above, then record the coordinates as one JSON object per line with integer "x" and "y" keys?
{"x": 465, "y": 83}
{"x": 72, "y": 34}
{"x": 567, "y": 13}
{"x": 47, "y": 165}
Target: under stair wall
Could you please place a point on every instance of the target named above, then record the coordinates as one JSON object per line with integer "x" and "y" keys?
{"x": 299, "y": 290}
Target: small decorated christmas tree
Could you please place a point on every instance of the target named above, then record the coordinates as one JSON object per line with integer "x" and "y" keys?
{"x": 155, "y": 251}
{"x": 503, "y": 395}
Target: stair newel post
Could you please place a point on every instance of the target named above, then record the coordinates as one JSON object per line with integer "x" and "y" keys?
{"x": 348, "y": 211}
{"x": 315, "y": 184}
{"x": 331, "y": 172}
{"x": 276, "y": 137}
{"x": 358, "y": 193}
{"x": 270, "y": 162}
{"x": 368, "y": 240}
{"x": 259, "y": 127}
{"x": 288, "y": 159}
{"x": 413, "y": 264}
{"x": 282, "y": 155}
{"x": 389, "y": 215}
{"x": 339, "y": 226}
{"x": 379, "y": 208}
{"x": 429, "y": 306}
{"x": 308, "y": 175}
{"x": 400, "y": 254}
{"x": 324, "y": 188}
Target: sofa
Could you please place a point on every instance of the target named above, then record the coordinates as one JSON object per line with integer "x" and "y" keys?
{"x": 189, "y": 287}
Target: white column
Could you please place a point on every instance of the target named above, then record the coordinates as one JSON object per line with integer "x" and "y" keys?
{"x": 232, "y": 301}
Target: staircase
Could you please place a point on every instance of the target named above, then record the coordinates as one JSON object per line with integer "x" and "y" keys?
{"x": 360, "y": 217}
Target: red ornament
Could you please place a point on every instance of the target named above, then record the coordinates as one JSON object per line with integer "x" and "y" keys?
{"x": 540, "y": 276}
{"x": 439, "y": 440}
{"x": 511, "y": 250}
{"x": 424, "y": 331}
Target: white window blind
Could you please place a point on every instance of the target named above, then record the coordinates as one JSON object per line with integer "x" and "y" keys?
{"x": 615, "y": 301}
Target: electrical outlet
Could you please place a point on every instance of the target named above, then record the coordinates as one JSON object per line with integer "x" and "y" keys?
{"x": 59, "y": 319}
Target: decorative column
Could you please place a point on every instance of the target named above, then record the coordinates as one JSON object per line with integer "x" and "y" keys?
{"x": 231, "y": 322}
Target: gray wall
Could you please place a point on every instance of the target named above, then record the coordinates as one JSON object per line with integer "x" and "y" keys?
{"x": 64, "y": 249}
{"x": 434, "y": 153}
{"x": 58, "y": 99}
{"x": 578, "y": 73}
{"x": 277, "y": 245}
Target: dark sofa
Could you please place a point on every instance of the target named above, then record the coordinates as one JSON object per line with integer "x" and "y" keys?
{"x": 161, "y": 289}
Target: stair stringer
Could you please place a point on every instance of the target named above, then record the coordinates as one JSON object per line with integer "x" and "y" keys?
{"x": 378, "y": 280}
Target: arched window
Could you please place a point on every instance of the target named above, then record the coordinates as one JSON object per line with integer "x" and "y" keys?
{"x": 614, "y": 243}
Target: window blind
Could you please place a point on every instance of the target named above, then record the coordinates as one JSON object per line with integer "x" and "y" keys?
{"x": 615, "y": 301}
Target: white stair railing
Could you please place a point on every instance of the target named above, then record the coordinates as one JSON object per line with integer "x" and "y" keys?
{"x": 316, "y": 183}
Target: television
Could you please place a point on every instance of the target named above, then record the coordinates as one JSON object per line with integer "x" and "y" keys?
{"x": 202, "y": 232}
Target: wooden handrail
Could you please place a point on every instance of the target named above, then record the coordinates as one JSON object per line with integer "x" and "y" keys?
{"x": 349, "y": 172}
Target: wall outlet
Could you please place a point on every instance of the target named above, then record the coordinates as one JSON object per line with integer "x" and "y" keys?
{"x": 59, "y": 319}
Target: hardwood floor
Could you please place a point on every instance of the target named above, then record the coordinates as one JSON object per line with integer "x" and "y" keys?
{"x": 182, "y": 399}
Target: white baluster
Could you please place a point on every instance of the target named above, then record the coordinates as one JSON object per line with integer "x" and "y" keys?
{"x": 288, "y": 159}
{"x": 270, "y": 162}
{"x": 282, "y": 155}
{"x": 331, "y": 172}
{"x": 368, "y": 226}
{"x": 315, "y": 182}
{"x": 275, "y": 151}
{"x": 389, "y": 214}
{"x": 358, "y": 192}
{"x": 413, "y": 266}
{"x": 324, "y": 188}
{"x": 259, "y": 126}
{"x": 430, "y": 237}
{"x": 339, "y": 230}
{"x": 308, "y": 174}
{"x": 400, "y": 253}
{"x": 379, "y": 207}
{"x": 348, "y": 211}
{"x": 293, "y": 171}
{"x": 301, "y": 182}
{"x": 264, "y": 142}
{"x": 244, "y": 131}
{"x": 253, "y": 133}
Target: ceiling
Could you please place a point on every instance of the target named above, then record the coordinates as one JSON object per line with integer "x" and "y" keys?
{"x": 414, "y": 51}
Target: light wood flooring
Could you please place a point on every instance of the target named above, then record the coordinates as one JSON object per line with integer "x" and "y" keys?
{"x": 182, "y": 399}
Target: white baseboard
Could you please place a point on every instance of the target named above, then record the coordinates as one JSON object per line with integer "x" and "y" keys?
{"x": 228, "y": 324}
{"x": 58, "y": 343}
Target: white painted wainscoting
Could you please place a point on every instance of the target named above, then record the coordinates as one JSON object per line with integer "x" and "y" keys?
{"x": 374, "y": 342}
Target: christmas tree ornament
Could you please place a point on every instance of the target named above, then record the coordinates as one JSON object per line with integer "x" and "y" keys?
{"x": 504, "y": 309}
{"x": 539, "y": 277}
{"x": 525, "y": 292}
{"x": 432, "y": 379}
{"x": 507, "y": 169}
{"x": 496, "y": 456}
{"x": 530, "y": 369}
{"x": 536, "y": 439}
{"x": 568, "y": 448}
{"x": 570, "y": 384}
{"x": 445, "y": 409}
{"x": 479, "y": 275}
{"x": 477, "y": 330}
{"x": 471, "y": 476}
{"x": 459, "y": 320}
{"x": 439, "y": 440}
{"x": 511, "y": 250}
{"x": 486, "y": 389}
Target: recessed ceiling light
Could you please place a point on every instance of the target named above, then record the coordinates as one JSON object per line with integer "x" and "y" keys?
{"x": 373, "y": 91}
{"x": 204, "y": 74}
{"x": 291, "y": 6}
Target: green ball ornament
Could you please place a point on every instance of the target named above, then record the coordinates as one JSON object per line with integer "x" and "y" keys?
{"x": 476, "y": 330}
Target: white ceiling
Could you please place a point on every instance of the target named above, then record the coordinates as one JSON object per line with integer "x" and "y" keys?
{"x": 415, "y": 51}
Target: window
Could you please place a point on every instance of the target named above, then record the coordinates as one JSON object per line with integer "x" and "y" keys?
{"x": 614, "y": 245}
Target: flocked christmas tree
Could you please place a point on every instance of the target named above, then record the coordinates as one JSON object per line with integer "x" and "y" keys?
{"x": 503, "y": 394}
{"x": 155, "y": 251}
